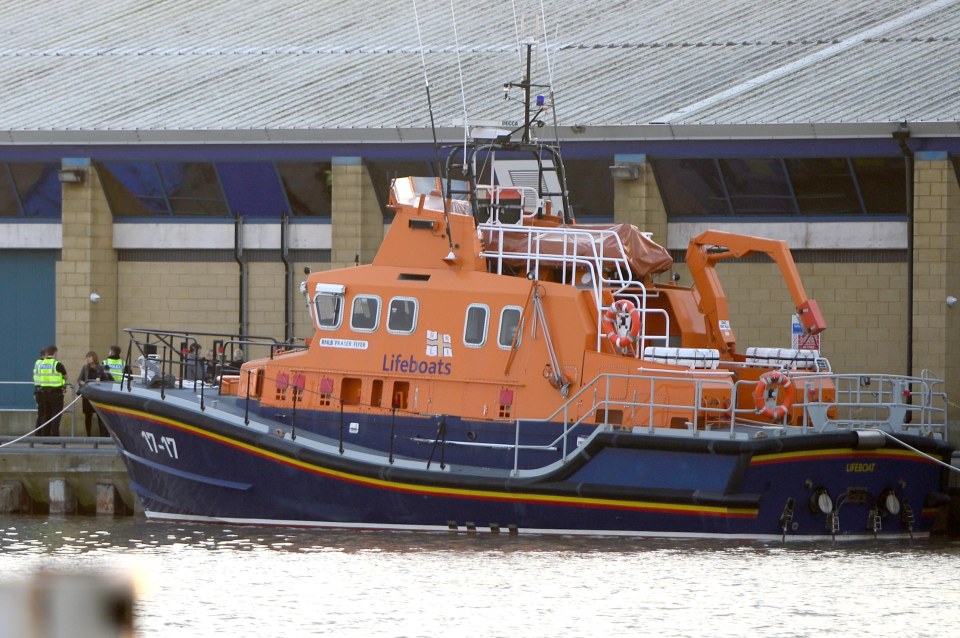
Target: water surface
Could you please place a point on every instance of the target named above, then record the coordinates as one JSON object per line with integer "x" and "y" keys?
{"x": 203, "y": 580}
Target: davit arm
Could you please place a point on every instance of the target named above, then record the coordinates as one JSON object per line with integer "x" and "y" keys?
{"x": 709, "y": 247}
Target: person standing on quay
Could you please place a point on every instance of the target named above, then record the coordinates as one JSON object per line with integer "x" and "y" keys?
{"x": 92, "y": 371}
{"x": 114, "y": 365}
{"x": 36, "y": 385}
{"x": 50, "y": 376}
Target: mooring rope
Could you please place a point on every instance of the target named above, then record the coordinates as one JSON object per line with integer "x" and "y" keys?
{"x": 913, "y": 449}
{"x": 40, "y": 427}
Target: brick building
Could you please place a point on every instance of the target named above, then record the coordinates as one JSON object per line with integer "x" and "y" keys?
{"x": 185, "y": 163}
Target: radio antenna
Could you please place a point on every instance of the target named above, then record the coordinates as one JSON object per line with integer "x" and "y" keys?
{"x": 451, "y": 257}
{"x": 426, "y": 84}
{"x": 463, "y": 95}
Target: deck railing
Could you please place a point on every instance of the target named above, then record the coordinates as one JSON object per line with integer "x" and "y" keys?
{"x": 706, "y": 406}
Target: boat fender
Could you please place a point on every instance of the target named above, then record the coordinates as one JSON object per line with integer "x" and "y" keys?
{"x": 621, "y": 323}
{"x": 768, "y": 386}
{"x": 870, "y": 439}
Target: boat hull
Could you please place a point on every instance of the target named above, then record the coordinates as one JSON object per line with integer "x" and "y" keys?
{"x": 191, "y": 465}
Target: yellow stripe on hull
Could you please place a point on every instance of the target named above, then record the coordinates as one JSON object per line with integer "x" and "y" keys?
{"x": 666, "y": 508}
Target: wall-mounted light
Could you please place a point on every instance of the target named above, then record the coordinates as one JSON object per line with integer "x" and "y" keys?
{"x": 951, "y": 301}
{"x": 94, "y": 297}
{"x": 70, "y": 175}
{"x": 625, "y": 172}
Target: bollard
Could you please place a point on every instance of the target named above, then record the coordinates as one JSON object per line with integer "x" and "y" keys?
{"x": 108, "y": 499}
{"x": 62, "y": 498}
{"x": 14, "y": 498}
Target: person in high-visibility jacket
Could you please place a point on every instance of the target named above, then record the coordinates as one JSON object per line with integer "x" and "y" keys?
{"x": 36, "y": 385}
{"x": 50, "y": 379}
{"x": 114, "y": 365}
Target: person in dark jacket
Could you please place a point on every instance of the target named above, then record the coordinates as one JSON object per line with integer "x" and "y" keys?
{"x": 91, "y": 373}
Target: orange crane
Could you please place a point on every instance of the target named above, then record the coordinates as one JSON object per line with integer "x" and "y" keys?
{"x": 709, "y": 247}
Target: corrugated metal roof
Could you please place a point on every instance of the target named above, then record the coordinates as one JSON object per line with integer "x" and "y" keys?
{"x": 129, "y": 71}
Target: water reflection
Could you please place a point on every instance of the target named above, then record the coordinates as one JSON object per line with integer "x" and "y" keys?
{"x": 206, "y": 580}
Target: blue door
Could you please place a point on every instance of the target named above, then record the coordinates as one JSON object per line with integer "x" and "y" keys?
{"x": 27, "y": 321}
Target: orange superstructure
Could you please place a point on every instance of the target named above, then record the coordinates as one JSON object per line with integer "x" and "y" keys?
{"x": 504, "y": 320}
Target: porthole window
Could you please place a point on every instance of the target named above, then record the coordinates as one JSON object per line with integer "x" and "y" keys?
{"x": 509, "y": 327}
{"x": 365, "y": 316}
{"x": 475, "y": 326}
{"x": 402, "y": 317}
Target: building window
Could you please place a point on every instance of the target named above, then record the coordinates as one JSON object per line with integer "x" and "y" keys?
{"x": 757, "y": 187}
{"x": 30, "y": 189}
{"x": 402, "y": 317}
{"x": 824, "y": 186}
{"x": 782, "y": 189}
{"x": 691, "y": 187}
{"x": 509, "y": 326}
{"x": 882, "y": 183}
{"x": 307, "y": 186}
{"x": 252, "y": 189}
{"x": 475, "y": 326}
{"x": 148, "y": 189}
{"x": 591, "y": 189}
{"x": 365, "y": 316}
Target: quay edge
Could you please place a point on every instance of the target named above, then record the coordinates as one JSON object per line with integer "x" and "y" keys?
{"x": 68, "y": 475}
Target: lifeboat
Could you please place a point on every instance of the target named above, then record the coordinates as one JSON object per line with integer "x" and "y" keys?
{"x": 500, "y": 368}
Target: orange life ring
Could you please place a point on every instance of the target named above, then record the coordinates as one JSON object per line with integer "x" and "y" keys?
{"x": 767, "y": 388}
{"x": 621, "y": 323}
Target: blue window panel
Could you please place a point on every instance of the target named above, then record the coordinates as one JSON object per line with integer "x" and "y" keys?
{"x": 252, "y": 189}
{"x": 192, "y": 189}
{"x": 141, "y": 180}
{"x": 39, "y": 189}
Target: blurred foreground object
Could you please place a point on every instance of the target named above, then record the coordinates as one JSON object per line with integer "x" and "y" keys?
{"x": 62, "y": 604}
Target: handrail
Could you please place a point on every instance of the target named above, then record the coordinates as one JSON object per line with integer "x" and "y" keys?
{"x": 604, "y": 402}
{"x": 595, "y": 263}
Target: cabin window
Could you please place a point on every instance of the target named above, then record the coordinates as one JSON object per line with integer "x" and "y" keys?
{"x": 365, "y": 316}
{"x": 475, "y": 326}
{"x": 257, "y": 389}
{"x": 351, "y": 389}
{"x": 401, "y": 390}
{"x": 509, "y": 326}
{"x": 403, "y": 316}
{"x": 328, "y": 310}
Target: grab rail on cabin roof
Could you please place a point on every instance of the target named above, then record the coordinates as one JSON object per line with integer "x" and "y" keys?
{"x": 594, "y": 265}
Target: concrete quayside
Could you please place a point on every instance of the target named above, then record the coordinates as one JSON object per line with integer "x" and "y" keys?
{"x": 63, "y": 475}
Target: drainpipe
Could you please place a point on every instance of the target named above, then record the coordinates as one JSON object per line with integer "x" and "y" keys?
{"x": 287, "y": 276}
{"x": 242, "y": 262}
{"x": 901, "y": 135}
